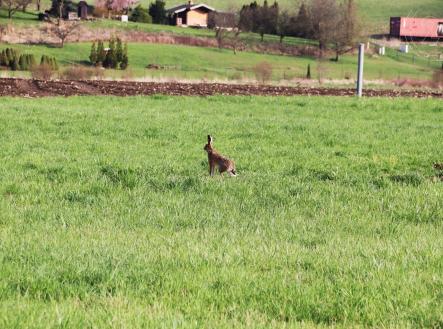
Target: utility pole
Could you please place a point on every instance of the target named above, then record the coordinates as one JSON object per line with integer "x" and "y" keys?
{"x": 361, "y": 54}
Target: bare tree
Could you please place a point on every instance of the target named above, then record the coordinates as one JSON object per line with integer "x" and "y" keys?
{"x": 12, "y": 6}
{"x": 38, "y": 4}
{"x": 236, "y": 39}
{"x": 63, "y": 30}
{"x": 325, "y": 17}
{"x": 220, "y": 34}
{"x": 348, "y": 29}
{"x": 3, "y": 29}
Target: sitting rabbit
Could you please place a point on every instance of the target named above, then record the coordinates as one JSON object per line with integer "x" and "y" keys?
{"x": 216, "y": 159}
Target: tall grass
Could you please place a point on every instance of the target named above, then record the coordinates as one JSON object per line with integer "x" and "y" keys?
{"x": 109, "y": 219}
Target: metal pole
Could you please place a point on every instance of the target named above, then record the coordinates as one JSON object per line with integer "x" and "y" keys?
{"x": 361, "y": 53}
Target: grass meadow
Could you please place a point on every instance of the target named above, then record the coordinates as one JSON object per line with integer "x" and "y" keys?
{"x": 186, "y": 62}
{"x": 109, "y": 219}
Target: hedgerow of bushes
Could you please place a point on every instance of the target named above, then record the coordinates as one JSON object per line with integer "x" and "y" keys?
{"x": 11, "y": 59}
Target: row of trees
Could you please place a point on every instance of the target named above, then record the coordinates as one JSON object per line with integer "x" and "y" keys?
{"x": 155, "y": 14}
{"x": 12, "y": 6}
{"x": 332, "y": 23}
{"x": 113, "y": 57}
{"x": 10, "y": 58}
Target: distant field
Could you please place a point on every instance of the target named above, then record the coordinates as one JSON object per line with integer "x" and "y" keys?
{"x": 109, "y": 218}
{"x": 184, "y": 62}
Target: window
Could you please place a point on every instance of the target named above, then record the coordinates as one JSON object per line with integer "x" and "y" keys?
{"x": 440, "y": 29}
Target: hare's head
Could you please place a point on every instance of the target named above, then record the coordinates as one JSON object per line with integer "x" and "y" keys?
{"x": 208, "y": 147}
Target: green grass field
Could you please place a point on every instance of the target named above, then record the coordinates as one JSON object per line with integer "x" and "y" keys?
{"x": 109, "y": 218}
{"x": 185, "y": 62}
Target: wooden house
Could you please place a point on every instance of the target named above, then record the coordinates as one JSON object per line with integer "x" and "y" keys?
{"x": 189, "y": 14}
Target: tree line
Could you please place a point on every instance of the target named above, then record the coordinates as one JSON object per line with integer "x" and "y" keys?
{"x": 333, "y": 24}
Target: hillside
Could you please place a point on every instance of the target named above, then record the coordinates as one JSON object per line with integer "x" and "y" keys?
{"x": 376, "y": 13}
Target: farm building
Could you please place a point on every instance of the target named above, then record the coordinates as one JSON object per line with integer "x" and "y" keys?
{"x": 190, "y": 14}
{"x": 410, "y": 27}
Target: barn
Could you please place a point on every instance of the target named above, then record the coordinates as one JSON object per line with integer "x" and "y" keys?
{"x": 189, "y": 14}
{"x": 416, "y": 28}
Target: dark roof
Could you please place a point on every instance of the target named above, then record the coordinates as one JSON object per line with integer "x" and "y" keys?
{"x": 180, "y": 8}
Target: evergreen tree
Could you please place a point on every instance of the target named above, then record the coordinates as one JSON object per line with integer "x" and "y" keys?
{"x": 158, "y": 12}
{"x": 4, "y": 59}
{"x": 101, "y": 53}
{"x": 10, "y": 54}
{"x": 44, "y": 60}
{"x": 119, "y": 51}
{"x": 303, "y": 24}
{"x": 125, "y": 60}
{"x": 308, "y": 73}
{"x": 14, "y": 64}
{"x": 111, "y": 59}
{"x": 32, "y": 61}
{"x": 93, "y": 54}
{"x": 140, "y": 14}
{"x": 23, "y": 65}
{"x": 54, "y": 64}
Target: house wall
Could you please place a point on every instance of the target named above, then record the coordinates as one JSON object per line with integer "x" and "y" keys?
{"x": 197, "y": 17}
{"x": 180, "y": 19}
{"x": 415, "y": 27}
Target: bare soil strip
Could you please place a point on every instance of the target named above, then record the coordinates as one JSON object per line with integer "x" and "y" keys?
{"x": 41, "y": 88}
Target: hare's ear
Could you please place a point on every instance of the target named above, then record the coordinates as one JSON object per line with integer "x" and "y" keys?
{"x": 210, "y": 139}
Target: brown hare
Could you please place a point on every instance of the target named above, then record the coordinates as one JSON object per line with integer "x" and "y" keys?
{"x": 216, "y": 159}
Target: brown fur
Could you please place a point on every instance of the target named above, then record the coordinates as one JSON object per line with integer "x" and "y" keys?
{"x": 216, "y": 159}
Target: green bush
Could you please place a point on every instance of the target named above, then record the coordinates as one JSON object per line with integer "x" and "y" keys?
{"x": 116, "y": 56}
{"x": 93, "y": 54}
{"x": 141, "y": 15}
{"x": 49, "y": 61}
{"x": 125, "y": 61}
{"x": 101, "y": 53}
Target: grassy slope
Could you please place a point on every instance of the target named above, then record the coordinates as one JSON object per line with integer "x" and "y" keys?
{"x": 209, "y": 63}
{"x": 109, "y": 218}
{"x": 375, "y": 12}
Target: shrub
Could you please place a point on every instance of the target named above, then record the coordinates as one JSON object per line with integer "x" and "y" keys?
{"x": 26, "y": 61}
{"x": 158, "y": 12}
{"x": 49, "y": 61}
{"x": 3, "y": 59}
{"x": 141, "y": 15}
{"x": 10, "y": 58}
{"x": 308, "y": 73}
{"x": 263, "y": 71}
{"x": 125, "y": 61}
{"x": 93, "y": 54}
{"x": 115, "y": 57}
{"x": 101, "y": 53}
{"x": 78, "y": 72}
{"x": 42, "y": 72}
{"x": 111, "y": 56}
{"x": 11, "y": 54}
{"x": 13, "y": 64}
{"x": 119, "y": 50}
